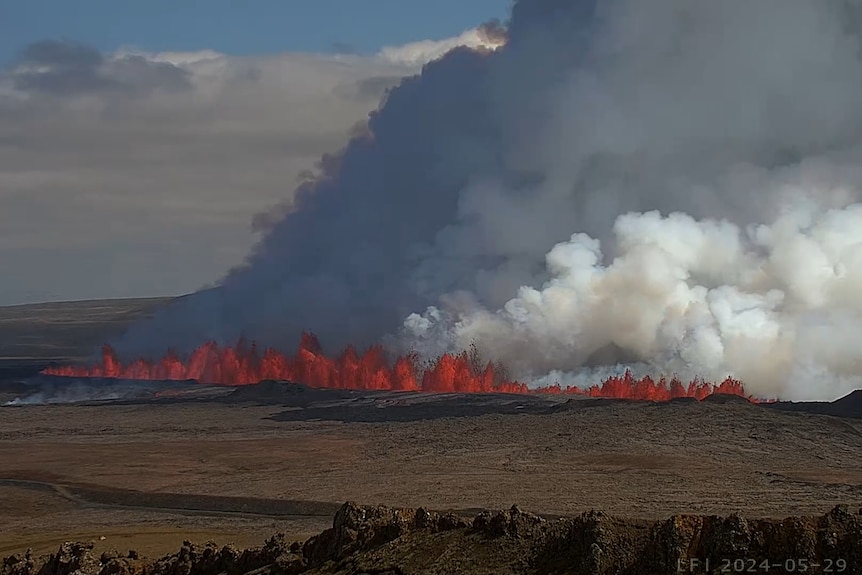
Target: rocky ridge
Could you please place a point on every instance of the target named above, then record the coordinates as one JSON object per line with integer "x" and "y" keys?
{"x": 383, "y": 540}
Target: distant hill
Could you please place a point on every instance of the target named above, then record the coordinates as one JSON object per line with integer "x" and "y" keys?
{"x": 66, "y": 331}
{"x": 848, "y": 406}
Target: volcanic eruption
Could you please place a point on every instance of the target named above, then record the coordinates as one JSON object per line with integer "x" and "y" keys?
{"x": 665, "y": 187}
{"x": 461, "y": 373}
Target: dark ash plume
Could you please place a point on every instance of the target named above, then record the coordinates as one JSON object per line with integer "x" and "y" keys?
{"x": 593, "y": 114}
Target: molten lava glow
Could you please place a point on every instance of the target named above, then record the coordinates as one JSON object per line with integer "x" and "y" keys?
{"x": 462, "y": 373}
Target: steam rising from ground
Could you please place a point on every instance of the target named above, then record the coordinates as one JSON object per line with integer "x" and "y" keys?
{"x": 47, "y": 390}
{"x": 773, "y": 304}
{"x": 704, "y": 155}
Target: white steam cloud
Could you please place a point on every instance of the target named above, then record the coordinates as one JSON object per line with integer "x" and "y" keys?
{"x": 678, "y": 182}
{"x": 775, "y": 305}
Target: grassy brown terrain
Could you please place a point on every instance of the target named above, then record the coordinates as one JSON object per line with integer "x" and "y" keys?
{"x": 236, "y": 467}
{"x": 138, "y": 471}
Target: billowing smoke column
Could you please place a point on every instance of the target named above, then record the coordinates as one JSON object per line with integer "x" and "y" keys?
{"x": 777, "y": 306}
{"x": 705, "y": 155}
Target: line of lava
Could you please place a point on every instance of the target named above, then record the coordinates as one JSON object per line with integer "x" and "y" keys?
{"x": 462, "y": 373}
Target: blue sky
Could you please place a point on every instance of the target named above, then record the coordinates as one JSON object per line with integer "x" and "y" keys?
{"x": 239, "y": 26}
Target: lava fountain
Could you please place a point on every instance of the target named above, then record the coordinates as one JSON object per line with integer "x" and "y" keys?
{"x": 244, "y": 364}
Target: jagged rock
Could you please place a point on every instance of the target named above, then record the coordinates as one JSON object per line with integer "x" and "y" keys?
{"x": 274, "y": 556}
{"x": 72, "y": 559}
{"x": 450, "y": 521}
{"x": 377, "y": 539}
{"x": 355, "y": 528}
{"x": 482, "y": 522}
{"x": 511, "y": 523}
{"x": 118, "y": 566}
{"x": 18, "y": 565}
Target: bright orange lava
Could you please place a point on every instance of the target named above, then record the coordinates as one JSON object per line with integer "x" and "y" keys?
{"x": 462, "y": 373}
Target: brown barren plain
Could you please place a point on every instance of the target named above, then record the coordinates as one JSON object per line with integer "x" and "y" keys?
{"x": 236, "y": 468}
{"x": 126, "y": 472}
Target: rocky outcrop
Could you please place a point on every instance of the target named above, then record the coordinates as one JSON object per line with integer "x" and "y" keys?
{"x": 73, "y": 559}
{"x": 275, "y": 556}
{"x": 356, "y": 529}
{"x": 384, "y": 540}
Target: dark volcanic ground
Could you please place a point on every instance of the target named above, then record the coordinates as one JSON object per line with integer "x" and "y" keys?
{"x": 305, "y": 403}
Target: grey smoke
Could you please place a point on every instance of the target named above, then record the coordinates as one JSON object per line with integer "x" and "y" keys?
{"x": 737, "y": 116}
{"x": 50, "y": 390}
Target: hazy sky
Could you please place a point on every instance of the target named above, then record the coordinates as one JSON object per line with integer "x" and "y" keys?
{"x": 138, "y": 142}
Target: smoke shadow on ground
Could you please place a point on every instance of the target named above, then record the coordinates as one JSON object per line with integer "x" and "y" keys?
{"x": 400, "y": 410}
{"x": 305, "y": 403}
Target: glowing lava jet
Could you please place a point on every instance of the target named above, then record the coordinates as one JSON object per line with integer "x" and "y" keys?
{"x": 462, "y": 373}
